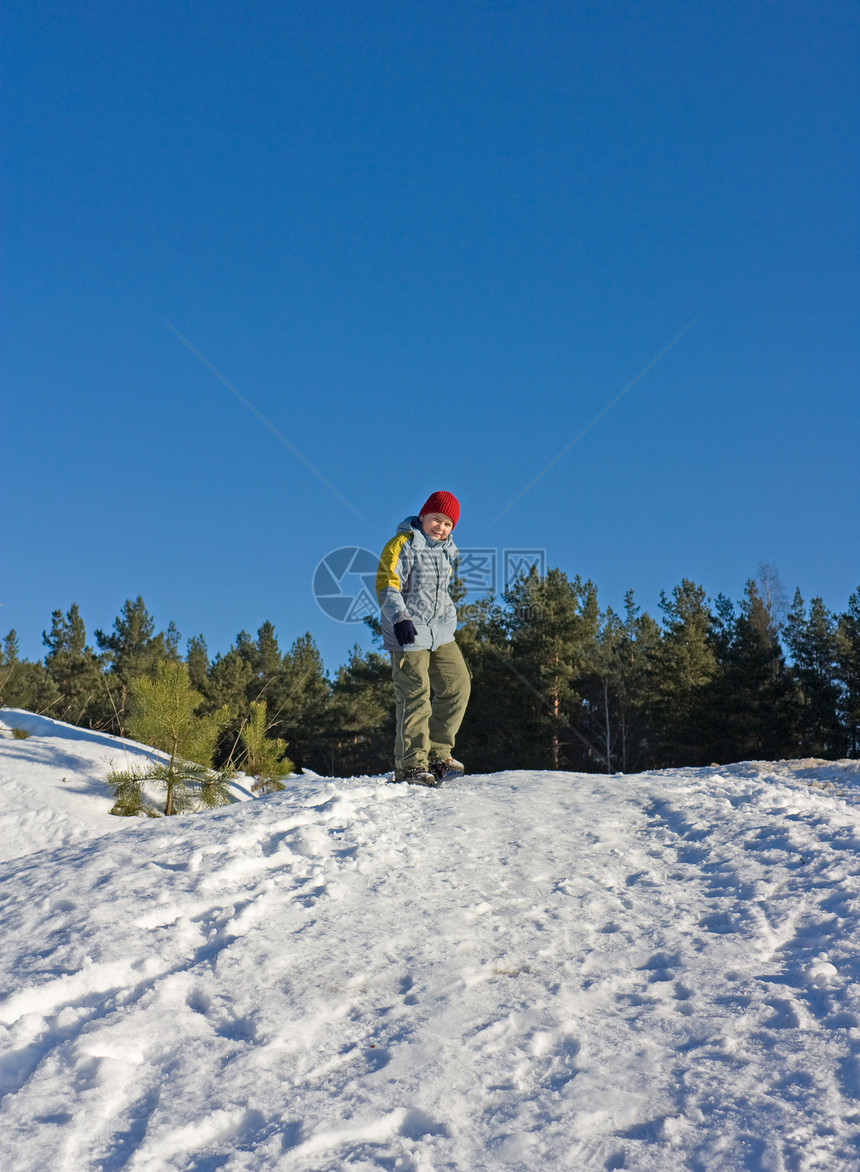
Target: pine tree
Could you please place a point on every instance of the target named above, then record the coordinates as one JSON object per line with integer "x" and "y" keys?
{"x": 9, "y": 651}
{"x": 245, "y": 675}
{"x": 172, "y": 639}
{"x": 163, "y": 714}
{"x": 848, "y": 672}
{"x": 750, "y": 697}
{"x": 133, "y": 649}
{"x": 359, "y": 716}
{"x": 265, "y": 757}
{"x": 231, "y": 677}
{"x": 76, "y": 670}
{"x": 601, "y": 688}
{"x": 197, "y": 662}
{"x": 683, "y": 663}
{"x": 811, "y": 640}
{"x": 551, "y": 623}
{"x": 298, "y": 697}
{"x": 268, "y": 660}
{"x": 492, "y": 726}
{"x": 615, "y": 691}
{"x": 24, "y": 684}
{"x": 637, "y": 652}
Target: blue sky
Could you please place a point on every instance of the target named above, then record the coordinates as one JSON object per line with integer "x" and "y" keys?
{"x": 427, "y": 243}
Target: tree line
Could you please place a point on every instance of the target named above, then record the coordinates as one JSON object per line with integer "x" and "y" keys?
{"x": 558, "y": 681}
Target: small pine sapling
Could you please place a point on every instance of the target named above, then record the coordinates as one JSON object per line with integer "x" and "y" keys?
{"x": 265, "y": 757}
{"x": 163, "y": 714}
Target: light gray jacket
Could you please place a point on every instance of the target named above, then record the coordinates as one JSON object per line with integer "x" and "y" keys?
{"x": 412, "y": 583}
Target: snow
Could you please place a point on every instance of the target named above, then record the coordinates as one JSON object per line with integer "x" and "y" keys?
{"x": 54, "y": 789}
{"x": 517, "y": 971}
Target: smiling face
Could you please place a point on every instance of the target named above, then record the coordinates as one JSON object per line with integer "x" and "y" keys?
{"x": 436, "y": 525}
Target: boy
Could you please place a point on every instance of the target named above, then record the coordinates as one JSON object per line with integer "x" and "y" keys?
{"x": 431, "y": 680}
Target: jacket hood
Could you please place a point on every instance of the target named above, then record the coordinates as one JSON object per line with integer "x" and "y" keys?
{"x": 420, "y": 538}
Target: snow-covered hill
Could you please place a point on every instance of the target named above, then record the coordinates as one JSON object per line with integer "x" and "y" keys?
{"x": 518, "y": 971}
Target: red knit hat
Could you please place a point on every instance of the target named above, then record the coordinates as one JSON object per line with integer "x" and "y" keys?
{"x": 442, "y": 502}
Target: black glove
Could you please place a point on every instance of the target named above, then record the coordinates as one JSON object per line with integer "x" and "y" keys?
{"x": 405, "y": 632}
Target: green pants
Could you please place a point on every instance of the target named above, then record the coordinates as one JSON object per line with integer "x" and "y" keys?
{"x": 431, "y": 691}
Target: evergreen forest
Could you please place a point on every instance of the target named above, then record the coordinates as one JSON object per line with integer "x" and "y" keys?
{"x": 557, "y": 681}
